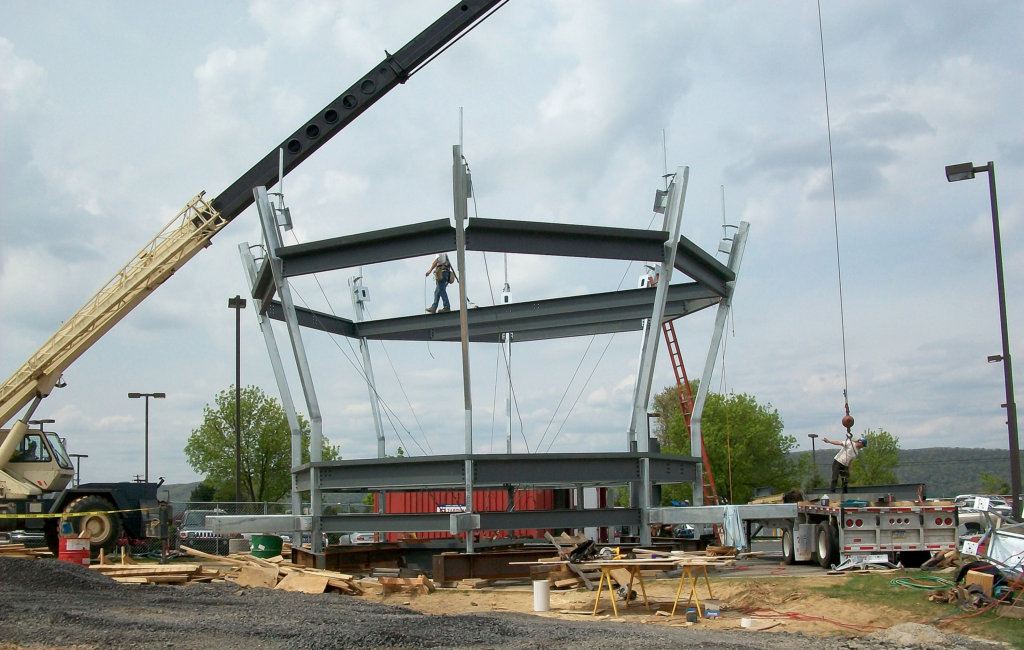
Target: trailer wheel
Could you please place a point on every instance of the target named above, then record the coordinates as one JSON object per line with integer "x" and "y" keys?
{"x": 788, "y": 546}
{"x": 826, "y": 545}
{"x": 103, "y": 528}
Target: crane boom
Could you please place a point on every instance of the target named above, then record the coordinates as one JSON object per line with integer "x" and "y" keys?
{"x": 200, "y": 220}
{"x": 176, "y": 244}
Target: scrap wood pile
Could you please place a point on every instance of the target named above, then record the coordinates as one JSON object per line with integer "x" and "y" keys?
{"x": 241, "y": 568}
{"x": 20, "y": 550}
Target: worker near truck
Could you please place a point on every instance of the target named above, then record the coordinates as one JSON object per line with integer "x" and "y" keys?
{"x": 842, "y": 460}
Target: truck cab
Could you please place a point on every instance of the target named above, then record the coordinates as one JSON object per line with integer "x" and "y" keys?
{"x": 40, "y": 460}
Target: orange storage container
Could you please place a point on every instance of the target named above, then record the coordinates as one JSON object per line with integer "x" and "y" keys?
{"x": 430, "y": 501}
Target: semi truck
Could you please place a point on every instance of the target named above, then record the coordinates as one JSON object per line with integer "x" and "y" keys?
{"x": 36, "y": 490}
{"x": 869, "y": 525}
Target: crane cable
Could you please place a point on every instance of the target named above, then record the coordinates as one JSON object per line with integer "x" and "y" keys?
{"x": 508, "y": 367}
{"x": 847, "y": 419}
{"x": 388, "y": 411}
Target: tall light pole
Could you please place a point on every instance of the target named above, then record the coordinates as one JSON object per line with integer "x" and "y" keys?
{"x": 814, "y": 458}
{"x": 238, "y": 304}
{"x": 965, "y": 171}
{"x": 147, "y": 396}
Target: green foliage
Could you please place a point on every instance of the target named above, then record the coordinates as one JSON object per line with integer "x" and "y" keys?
{"x": 876, "y": 464}
{"x": 744, "y": 441}
{"x": 993, "y": 484}
{"x": 265, "y": 446}
{"x": 203, "y": 491}
{"x": 810, "y": 475}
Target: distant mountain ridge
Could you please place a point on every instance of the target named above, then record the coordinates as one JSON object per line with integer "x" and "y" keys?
{"x": 945, "y": 471}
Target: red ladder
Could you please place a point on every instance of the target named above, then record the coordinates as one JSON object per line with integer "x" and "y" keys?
{"x": 686, "y": 400}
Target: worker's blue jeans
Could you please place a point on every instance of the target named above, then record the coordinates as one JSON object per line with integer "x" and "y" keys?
{"x": 441, "y": 291}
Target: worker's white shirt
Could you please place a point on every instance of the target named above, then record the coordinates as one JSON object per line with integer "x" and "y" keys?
{"x": 847, "y": 453}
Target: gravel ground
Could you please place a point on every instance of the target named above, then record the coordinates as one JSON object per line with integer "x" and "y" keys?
{"x": 51, "y": 604}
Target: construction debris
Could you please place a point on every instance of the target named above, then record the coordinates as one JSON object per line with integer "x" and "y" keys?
{"x": 20, "y": 550}
{"x": 241, "y": 568}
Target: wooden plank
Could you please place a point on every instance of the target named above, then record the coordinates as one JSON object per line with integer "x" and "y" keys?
{"x": 209, "y": 556}
{"x": 257, "y": 576}
{"x": 307, "y": 583}
{"x": 145, "y": 570}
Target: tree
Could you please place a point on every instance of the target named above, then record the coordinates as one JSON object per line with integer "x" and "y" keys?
{"x": 876, "y": 464}
{"x": 203, "y": 491}
{"x": 809, "y": 473}
{"x": 744, "y": 441}
{"x": 265, "y": 449}
{"x": 991, "y": 484}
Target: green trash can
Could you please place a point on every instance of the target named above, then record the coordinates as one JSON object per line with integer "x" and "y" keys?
{"x": 266, "y": 546}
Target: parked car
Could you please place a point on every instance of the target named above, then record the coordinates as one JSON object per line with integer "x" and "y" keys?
{"x": 195, "y": 534}
{"x": 995, "y": 503}
{"x": 357, "y": 538}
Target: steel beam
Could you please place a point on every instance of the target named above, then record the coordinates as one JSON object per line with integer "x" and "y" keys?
{"x": 494, "y": 470}
{"x": 715, "y": 514}
{"x": 523, "y": 519}
{"x": 602, "y": 313}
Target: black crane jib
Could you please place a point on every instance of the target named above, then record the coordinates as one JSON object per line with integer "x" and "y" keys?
{"x": 393, "y": 70}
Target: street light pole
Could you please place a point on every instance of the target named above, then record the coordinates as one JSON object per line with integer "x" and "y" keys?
{"x": 147, "y": 396}
{"x": 964, "y": 171}
{"x": 814, "y": 458}
{"x": 238, "y": 304}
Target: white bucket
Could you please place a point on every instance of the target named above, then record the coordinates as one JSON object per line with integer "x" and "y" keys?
{"x": 541, "y": 595}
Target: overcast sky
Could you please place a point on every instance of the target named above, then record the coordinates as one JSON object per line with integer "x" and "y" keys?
{"x": 114, "y": 114}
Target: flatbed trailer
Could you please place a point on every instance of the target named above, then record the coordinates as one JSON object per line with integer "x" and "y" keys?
{"x": 870, "y": 526}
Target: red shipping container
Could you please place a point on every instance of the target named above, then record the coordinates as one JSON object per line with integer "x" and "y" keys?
{"x": 433, "y": 501}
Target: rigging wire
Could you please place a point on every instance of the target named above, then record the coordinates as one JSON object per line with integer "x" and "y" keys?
{"x": 401, "y": 387}
{"x": 847, "y": 419}
{"x": 366, "y": 379}
{"x": 504, "y": 355}
{"x": 361, "y": 373}
{"x": 582, "y": 357}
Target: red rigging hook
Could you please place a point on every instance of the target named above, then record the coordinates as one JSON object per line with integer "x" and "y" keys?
{"x": 847, "y": 419}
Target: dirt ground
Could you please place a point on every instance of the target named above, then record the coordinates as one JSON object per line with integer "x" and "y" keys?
{"x": 47, "y": 604}
{"x": 783, "y": 605}
{"x": 786, "y": 600}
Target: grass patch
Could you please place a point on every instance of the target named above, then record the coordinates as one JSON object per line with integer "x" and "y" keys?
{"x": 879, "y": 592}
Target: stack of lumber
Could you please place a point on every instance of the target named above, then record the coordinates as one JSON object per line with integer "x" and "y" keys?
{"x": 421, "y": 584}
{"x": 473, "y": 583}
{"x": 20, "y": 550}
{"x": 156, "y": 573}
{"x": 689, "y": 557}
{"x": 274, "y": 573}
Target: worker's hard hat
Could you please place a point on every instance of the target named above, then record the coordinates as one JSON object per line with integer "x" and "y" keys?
{"x": 863, "y": 442}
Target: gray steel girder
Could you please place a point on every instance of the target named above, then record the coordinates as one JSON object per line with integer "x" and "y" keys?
{"x": 521, "y": 519}
{"x": 499, "y": 236}
{"x": 601, "y": 313}
{"x": 494, "y": 470}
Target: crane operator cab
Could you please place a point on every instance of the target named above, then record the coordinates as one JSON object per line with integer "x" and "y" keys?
{"x": 40, "y": 459}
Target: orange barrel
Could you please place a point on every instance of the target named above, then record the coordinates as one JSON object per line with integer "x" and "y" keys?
{"x": 73, "y": 550}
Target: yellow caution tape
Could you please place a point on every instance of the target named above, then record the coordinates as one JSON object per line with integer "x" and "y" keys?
{"x": 69, "y": 515}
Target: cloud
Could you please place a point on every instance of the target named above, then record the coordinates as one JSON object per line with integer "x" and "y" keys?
{"x": 23, "y": 80}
